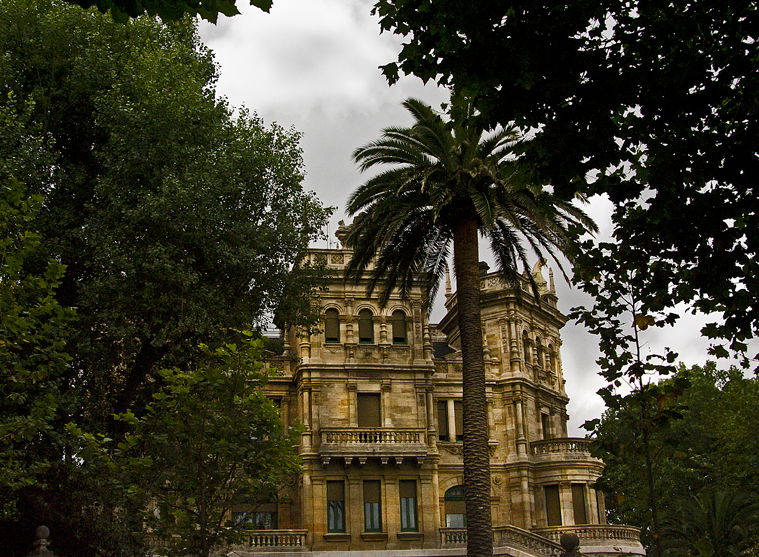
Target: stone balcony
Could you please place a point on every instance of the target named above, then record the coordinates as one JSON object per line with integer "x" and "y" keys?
{"x": 386, "y": 444}
{"x": 561, "y": 449}
{"x": 255, "y": 542}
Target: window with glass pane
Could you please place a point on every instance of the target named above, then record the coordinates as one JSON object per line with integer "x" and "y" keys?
{"x": 372, "y": 506}
{"x": 578, "y": 503}
{"x": 455, "y": 507}
{"x": 545, "y": 424}
{"x": 399, "y": 327}
{"x": 331, "y": 325}
{"x": 365, "y": 327}
{"x": 442, "y": 420}
{"x": 407, "y": 492}
{"x": 335, "y": 506}
{"x": 368, "y": 409}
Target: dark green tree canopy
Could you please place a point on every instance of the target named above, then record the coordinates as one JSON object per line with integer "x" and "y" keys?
{"x": 175, "y": 216}
{"x": 142, "y": 217}
{"x": 652, "y": 104}
{"x": 169, "y": 10}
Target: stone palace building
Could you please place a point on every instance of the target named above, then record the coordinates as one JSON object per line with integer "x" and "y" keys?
{"x": 378, "y": 394}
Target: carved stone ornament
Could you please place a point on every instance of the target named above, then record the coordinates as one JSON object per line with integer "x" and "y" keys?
{"x": 452, "y": 448}
{"x": 337, "y": 258}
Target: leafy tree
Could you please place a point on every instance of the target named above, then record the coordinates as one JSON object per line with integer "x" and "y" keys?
{"x": 209, "y": 438}
{"x": 652, "y": 104}
{"x": 33, "y": 326}
{"x": 707, "y": 451}
{"x": 169, "y": 10}
{"x": 445, "y": 181}
{"x": 171, "y": 216}
{"x": 713, "y": 524}
{"x": 174, "y": 217}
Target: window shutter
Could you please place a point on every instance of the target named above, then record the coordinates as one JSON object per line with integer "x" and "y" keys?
{"x": 553, "y": 505}
{"x": 578, "y": 503}
{"x": 368, "y": 409}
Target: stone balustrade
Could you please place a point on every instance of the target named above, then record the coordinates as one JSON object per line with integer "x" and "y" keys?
{"x": 511, "y": 536}
{"x": 386, "y": 443}
{"x": 276, "y": 539}
{"x": 452, "y": 537}
{"x": 594, "y": 534}
{"x": 372, "y": 435}
{"x": 505, "y": 536}
{"x": 561, "y": 446}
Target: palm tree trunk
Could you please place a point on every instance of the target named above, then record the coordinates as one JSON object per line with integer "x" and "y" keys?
{"x": 476, "y": 455}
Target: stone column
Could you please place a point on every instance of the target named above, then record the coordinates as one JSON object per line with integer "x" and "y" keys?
{"x": 306, "y": 418}
{"x": 429, "y": 509}
{"x": 284, "y": 412}
{"x": 515, "y": 359}
{"x": 565, "y": 497}
{"x": 315, "y": 426}
{"x": 317, "y": 529}
{"x": 352, "y": 412}
{"x": 431, "y": 426}
{"x": 315, "y": 503}
{"x": 385, "y": 394}
{"x": 355, "y": 511}
{"x": 521, "y": 440}
{"x": 391, "y": 511}
{"x": 451, "y": 420}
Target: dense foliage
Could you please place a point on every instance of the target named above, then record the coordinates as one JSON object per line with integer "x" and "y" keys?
{"x": 156, "y": 214}
{"x": 209, "y": 439}
{"x": 704, "y": 453}
{"x": 650, "y": 103}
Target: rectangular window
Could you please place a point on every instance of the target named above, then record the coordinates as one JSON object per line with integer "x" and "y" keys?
{"x": 336, "y": 506}
{"x": 458, "y": 410}
{"x": 372, "y": 506}
{"x": 553, "y": 505}
{"x": 578, "y": 503}
{"x": 442, "y": 420}
{"x": 407, "y": 492}
{"x": 368, "y": 409}
{"x": 545, "y": 423}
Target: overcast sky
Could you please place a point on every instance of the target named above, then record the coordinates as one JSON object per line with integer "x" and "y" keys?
{"x": 313, "y": 65}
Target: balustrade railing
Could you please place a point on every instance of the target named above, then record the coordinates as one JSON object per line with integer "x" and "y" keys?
{"x": 452, "y": 537}
{"x": 511, "y": 536}
{"x": 373, "y": 435}
{"x": 575, "y": 445}
{"x": 276, "y": 538}
{"x": 505, "y": 536}
{"x": 593, "y": 534}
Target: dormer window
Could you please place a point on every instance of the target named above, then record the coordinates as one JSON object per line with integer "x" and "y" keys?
{"x": 365, "y": 327}
{"x": 400, "y": 334}
{"x": 331, "y": 326}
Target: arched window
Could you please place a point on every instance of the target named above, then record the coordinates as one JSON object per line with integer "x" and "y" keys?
{"x": 398, "y": 320}
{"x": 365, "y": 327}
{"x": 539, "y": 352}
{"x": 331, "y": 325}
{"x": 455, "y": 507}
{"x": 527, "y": 347}
{"x": 552, "y": 358}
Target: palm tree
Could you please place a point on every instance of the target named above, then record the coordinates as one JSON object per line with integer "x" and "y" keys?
{"x": 713, "y": 524}
{"x": 442, "y": 181}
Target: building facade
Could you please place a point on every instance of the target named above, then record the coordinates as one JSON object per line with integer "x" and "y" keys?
{"x": 378, "y": 393}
